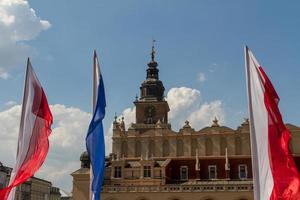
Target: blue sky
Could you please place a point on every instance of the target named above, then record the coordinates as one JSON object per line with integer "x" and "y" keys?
{"x": 192, "y": 37}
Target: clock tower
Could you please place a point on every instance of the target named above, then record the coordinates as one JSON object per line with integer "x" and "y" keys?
{"x": 151, "y": 107}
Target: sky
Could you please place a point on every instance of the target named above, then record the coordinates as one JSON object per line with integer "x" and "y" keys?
{"x": 199, "y": 49}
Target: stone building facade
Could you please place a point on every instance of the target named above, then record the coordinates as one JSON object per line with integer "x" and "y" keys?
{"x": 150, "y": 161}
{"x": 4, "y": 175}
{"x": 37, "y": 189}
{"x": 33, "y": 189}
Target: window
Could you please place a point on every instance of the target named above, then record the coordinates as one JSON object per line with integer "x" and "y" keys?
{"x": 212, "y": 171}
{"x": 184, "y": 173}
{"x": 242, "y": 171}
{"x": 118, "y": 172}
{"x": 147, "y": 171}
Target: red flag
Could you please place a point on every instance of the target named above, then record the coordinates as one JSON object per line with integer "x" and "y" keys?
{"x": 275, "y": 173}
{"x": 35, "y": 127}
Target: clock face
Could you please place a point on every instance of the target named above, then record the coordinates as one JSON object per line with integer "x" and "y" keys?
{"x": 150, "y": 111}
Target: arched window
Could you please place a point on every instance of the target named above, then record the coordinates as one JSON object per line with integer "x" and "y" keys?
{"x": 179, "y": 147}
{"x": 166, "y": 148}
{"x": 151, "y": 148}
{"x": 141, "y": 198}
{"x": 194, "y": 146}
{"x": 138, "y": 149}
{"x": 124, "y": 149}
{"x": 238, "y": 146}
{"x": 208, "y": 147}
{"x": 223, "y": 145}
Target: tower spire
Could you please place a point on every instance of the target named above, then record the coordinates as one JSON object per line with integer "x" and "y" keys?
{"x": 153, "y": 51}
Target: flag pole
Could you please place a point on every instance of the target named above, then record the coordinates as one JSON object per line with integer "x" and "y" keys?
{"x": 94, "y": 102}
{"x": 12, "y": 193}
{"x": 93, "y": 110}
{"x": 251, "y": 125}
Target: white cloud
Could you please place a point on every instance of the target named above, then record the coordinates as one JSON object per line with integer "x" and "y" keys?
{"x": 185, "y": 104}
{"x": 3, "y": 74}
{"x": 67, "y": 142}
{"x": 204, "y": 115}
{"x": 18, "y": 24}
{"x": 181, "y": 99}
{"x": 10, "y": 103}
{"x": 201, "y": 77}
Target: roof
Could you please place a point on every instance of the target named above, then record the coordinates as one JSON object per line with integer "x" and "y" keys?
{"x": 132, "y": 164}
{"x": 219, "y": 129}
{"x": 292, "y": 127}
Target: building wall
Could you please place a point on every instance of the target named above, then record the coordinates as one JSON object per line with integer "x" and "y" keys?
{"x": 37, "y": 189}
{"x": 136, "y": 142}
{"x": 179, "y": 196}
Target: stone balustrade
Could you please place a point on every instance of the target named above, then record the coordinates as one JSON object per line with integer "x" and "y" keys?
{"x": 203, "y": 186}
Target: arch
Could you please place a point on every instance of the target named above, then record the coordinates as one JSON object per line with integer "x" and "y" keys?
{"x": 124, "y": 149}
{"x": 207, "y": 198}
{"x": 138, "y": 148}
{"x": 179, "y": 147}
{"x": 194, "y": 146}
{"x": 111, "y": 198}
{"x": 208, "y": 147}
{"x": 223, "y": 145}
{"x": 173, "y": 198}
{"x": 241, "y": 198}
{"x": 238, "y": 146}
{"x": 151, "y": 148}
{"x": 166, "y": 148}
{"x": 142, "y": 198}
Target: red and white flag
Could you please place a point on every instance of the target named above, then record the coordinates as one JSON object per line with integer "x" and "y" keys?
{"x": 275, "y": 173}
{"x": 35, "y": 127}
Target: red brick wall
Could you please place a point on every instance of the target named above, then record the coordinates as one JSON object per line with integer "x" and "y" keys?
{"x": 173, "y": 169}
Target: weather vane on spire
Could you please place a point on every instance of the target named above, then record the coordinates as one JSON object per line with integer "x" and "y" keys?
{"x": 153, "y": 50}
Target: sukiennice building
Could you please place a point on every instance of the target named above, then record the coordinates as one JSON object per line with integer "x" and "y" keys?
{"x": 150, "y": 161}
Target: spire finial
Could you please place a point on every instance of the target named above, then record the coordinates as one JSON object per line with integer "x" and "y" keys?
{"x": 153, "y": 50}
{"x": 116, "y": 117}
{"x": 215, "y": 122}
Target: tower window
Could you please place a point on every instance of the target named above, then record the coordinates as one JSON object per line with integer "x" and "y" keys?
{"x": 147, "y": 171}
{"x": 212, "y": 171}
{"x": 184, "y": 171}
{"x": 242, "y": 171}
{"x": 118, "y": 172}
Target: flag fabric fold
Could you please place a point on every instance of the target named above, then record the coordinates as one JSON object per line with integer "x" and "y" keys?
{"x": 95, "y": 137}
{"x": 275, "y": 173}
{"x": 35, "y": 128}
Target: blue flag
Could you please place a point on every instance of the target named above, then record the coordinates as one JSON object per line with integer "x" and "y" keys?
{"x": 95, "y": 137}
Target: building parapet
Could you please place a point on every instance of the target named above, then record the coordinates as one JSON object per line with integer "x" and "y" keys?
{"x": 203, "y": 186}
